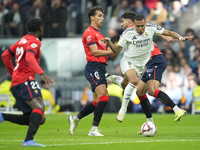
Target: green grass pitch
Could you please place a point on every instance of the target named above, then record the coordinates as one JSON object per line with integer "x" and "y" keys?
{"x": 184, "y": 135}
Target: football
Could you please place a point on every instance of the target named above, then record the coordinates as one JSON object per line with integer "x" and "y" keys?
{"x": 149, "y": 129}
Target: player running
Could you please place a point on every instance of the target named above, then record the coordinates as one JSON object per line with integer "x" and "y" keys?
{"x": 95, "y": 69}
{"x": 139, "y": 45}
{"x": 24, "y": 87}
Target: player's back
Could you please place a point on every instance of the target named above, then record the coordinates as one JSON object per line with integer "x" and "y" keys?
{"x": 22, "y": 70}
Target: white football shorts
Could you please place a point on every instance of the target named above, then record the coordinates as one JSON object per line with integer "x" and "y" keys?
{"x": 126, "y": 65}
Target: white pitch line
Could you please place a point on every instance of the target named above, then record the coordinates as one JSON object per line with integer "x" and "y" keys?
{"x": 105, "y": 143}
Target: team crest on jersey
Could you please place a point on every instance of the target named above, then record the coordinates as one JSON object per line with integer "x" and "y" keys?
{"x": 33, "y": 45}
{"x": 89, "y": 38}
{"x": 36, "y": 91}
{"x": 146, "y": 34}
{"x": 96, "y": 74}
{"x": 129, "y": 64}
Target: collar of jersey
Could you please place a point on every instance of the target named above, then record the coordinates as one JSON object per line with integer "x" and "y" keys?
{"x": 94, "y": 28}
{"x": 32, "y": 35}
{"x": 131, "y": 26}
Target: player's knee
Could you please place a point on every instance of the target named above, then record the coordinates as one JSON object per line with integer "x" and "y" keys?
{"x": 124, "y": 85}
{"x": 139, "y": 93}
{"x": 151, "y": 92}
{"x": 133, "y": 81}
{"x": 43, "y": 120}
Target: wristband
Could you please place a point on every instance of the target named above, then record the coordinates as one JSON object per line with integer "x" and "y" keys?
{"x": 180, "y": 38}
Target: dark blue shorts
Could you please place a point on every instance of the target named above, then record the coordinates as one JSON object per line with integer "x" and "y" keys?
{"x": 95, "y": 74}
{"x": 25, "y": 92}
{"x": 155, "y": 68}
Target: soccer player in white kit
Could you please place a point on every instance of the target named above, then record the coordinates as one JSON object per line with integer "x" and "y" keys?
{"x": 138, "y": 40}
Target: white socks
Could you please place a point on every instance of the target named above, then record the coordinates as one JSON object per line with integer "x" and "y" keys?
{"x": 94, "y": 127}
{"x": 150, "y": 119}
{"x": 127, "y": 95}
{"x": 175, "y": 108}
{"x": 115, "y": 79}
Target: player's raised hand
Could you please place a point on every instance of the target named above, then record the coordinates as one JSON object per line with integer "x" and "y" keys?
{"x": 186, "y": 38}
{"x": 105, "y": 40}
{"x": 47, "y": 79}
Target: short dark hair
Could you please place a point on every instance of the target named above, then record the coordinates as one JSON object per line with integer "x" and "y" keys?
{"x": 92, "y": 11}
{"x": 129, "y": 15}
{"x": 139, "y": 17}
{"x": 34, "y": 25}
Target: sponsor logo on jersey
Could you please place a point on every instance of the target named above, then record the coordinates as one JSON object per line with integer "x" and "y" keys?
{"x": 146, "y": 34}
{"x": 134, "y": 38}
{"x": 36, "y": 91}
{"x": 89, "y": 38}
{"x": 149, "y": 70}
{"x": 33, "y": 45}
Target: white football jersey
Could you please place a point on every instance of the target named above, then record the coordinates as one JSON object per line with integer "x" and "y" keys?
{"x": 139, "y": 47}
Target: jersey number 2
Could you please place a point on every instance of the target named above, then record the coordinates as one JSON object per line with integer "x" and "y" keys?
{"x": 20, "y": 52}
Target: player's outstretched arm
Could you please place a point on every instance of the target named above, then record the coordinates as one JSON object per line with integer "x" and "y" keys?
{"x": 98, "y": 53}
{"x": 176, "y": 35}
{"x": 168, "y": 38}
{"x": 47, "y": 79}
{"x": 115, "y": 48}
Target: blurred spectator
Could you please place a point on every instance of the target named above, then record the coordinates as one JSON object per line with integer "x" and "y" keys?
{"x": 115, "y": 21}
{"x": 188, "y": 71}
{"x": 139, "y": 8}
{"x": 173, "y": 16}
{"x": 113, "y": 35}
{"x": 87, "y": 96}
{"x": 150, "y": 3}
{"x": 173, "y": 89}
{"x": 9, "y": 4}
{"x": 38, "y": 9}
{"x": 157, "y": 15}
{"x": 58, "y": 17}
{"x": 188, "y": 43}
{"x": 193, "y": 62}
{"x": 196, "y": 45}
{"x": 180, "y": 55}
{"x": 3, "y": 11}
{"x": 170, "y": 56}
{"x": 183, "y": 61}
{"x": 189, "y": 92}
{"x": 178, "y": 69}
{"x": 15, "y": 21}
{"x": 169, "y": 69}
